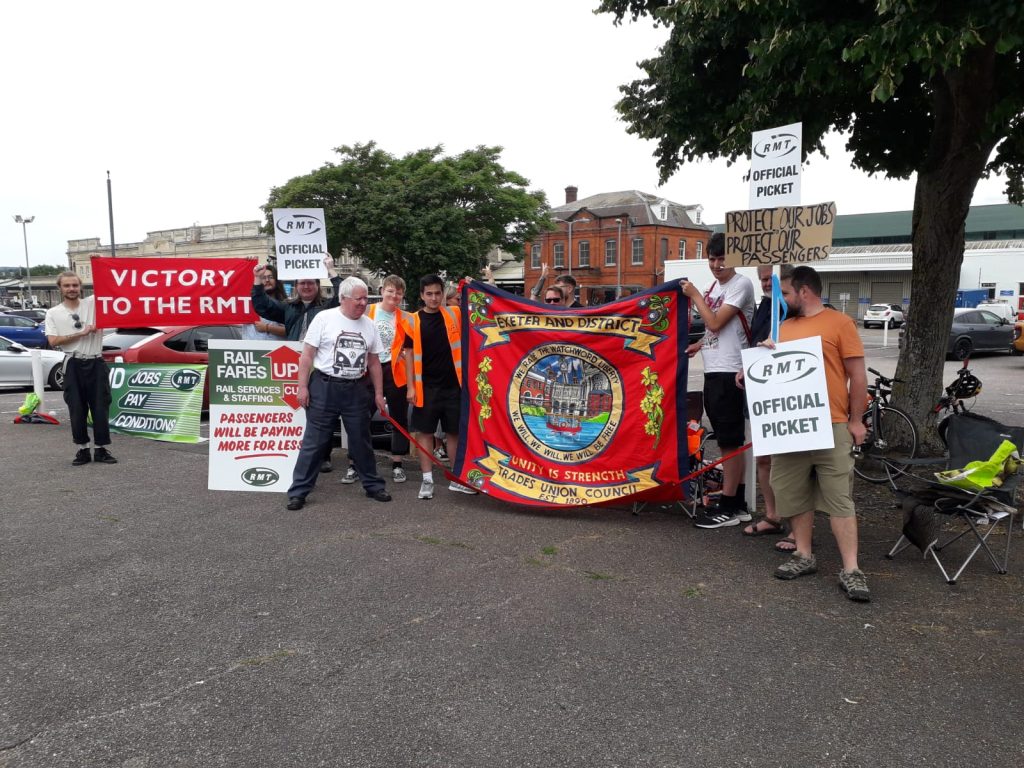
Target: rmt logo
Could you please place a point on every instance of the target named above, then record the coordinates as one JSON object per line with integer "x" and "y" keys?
{"x": 299, "y": 224}
{"x": 777, "y": 146}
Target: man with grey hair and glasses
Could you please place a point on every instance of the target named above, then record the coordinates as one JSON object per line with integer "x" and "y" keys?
{"x": 340, "y": 356}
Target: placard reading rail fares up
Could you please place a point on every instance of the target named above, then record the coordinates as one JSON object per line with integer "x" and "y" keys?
{"x": 256, "y": 423}
{"x": 795, "y": 235}
{"x": 787, "y": 397}
{"x": 300, "y": 238}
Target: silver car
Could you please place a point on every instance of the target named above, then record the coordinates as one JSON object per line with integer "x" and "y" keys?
{"x": 883, "y": 315}
{"x": 16, "y": 365}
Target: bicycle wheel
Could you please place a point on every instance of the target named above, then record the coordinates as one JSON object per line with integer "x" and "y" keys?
{"x": 887, "y": 445}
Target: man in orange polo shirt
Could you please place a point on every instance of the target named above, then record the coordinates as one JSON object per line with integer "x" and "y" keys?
{"x": 811, "y": 480}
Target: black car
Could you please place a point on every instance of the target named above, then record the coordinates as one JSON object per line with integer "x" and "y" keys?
{"x": 975, "y": 330}
{"x": 697, "y": 327}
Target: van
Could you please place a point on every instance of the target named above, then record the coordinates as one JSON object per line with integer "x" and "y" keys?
{"x": 1000, "y": 309}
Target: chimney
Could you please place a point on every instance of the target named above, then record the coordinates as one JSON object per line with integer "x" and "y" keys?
{"x": 570, "y": 195}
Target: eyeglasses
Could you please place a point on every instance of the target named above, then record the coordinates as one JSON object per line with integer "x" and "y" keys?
{"x": 78, "y": 322}
{"x": 552, "y": 301}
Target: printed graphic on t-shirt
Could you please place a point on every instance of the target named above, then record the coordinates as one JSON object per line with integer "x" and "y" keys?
{"x": 349, "y": 355}
{"x": 711, "y": 337}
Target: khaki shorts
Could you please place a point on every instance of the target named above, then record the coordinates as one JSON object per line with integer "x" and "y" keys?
{"x": 816, "y": 480}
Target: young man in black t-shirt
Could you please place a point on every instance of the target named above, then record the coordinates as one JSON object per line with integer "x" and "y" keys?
{"x": 433, "y": 364}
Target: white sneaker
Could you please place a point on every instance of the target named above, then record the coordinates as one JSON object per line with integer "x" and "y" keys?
{"x": 350, "y": 476}
{"x": 460, "y": 488}
{"x": 398, "y": 475}
{"x": 426, "y": 490}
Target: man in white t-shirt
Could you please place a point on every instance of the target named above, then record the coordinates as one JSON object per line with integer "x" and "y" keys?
{"x": 340, "y": 352}
{"x": 71, "y": 326}
{"x": 727, "y": 308}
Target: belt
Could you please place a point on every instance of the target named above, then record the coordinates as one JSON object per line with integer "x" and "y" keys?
{"x": 339, "y": 379}
{"x": 80, "y": 356}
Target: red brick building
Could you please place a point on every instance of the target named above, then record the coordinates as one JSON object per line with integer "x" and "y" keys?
{"x": 615, "y": 242}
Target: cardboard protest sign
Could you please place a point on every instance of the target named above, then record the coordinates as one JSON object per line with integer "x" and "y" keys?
{"x": 172, "y": 291}
{"x": 799, "y": 234}
{"x": 787, "y": 397}
{"x": 300, "y": 242}
{"x": 775, "y": 156}
{"x": 256, "y": 424}
{"x": 158, "y": 401}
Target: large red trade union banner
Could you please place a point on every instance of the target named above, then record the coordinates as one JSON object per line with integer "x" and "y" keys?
{"x": 573, "y": 407}
{"x": 172, "y": 291}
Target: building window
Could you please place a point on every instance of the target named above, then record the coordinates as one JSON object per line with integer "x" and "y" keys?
{"x": 535, "y": 257}
{"x": 700, "y": 249}
{"x": 609, "y": 253}
{"x": 584, "y": 253}
{"x": 638, "y": 250}
{"x": 682, "y": 249}
{"x": 559, "y": 255}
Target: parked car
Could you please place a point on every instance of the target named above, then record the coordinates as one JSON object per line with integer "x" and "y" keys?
{"x": 38, "y": 315}
{"x": 22, "y": 330}
{"x": 117, "y": 340}
{"x": 179, "y": 345}
{"x": 1017, "y": 348}
{"x": 976, "y": 330}
{"x": 999, "y": 309}
{"x": 883, "y": 315}
{"x": 697, "y": 327}
{"x": 16, "y": 365}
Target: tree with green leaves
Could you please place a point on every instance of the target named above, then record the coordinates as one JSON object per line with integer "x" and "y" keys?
{"x": 929, "y": 87}
{"x": 418, "y": 214}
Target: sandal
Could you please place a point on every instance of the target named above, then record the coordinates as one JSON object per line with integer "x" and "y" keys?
{"x": 774, "y": 527}
{"x": 786, "y": 546}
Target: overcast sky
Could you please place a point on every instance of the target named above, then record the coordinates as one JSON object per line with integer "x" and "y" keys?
{"x": 197, "y": 109}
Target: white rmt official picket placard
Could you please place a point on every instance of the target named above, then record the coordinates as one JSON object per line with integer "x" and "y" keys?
{"x": 300, "y": 242}
{"x": 787, "y": 397}
{"x": 775, "y": 167}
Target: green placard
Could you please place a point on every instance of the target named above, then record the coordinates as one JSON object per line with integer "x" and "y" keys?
{"x": 161, "y": 402}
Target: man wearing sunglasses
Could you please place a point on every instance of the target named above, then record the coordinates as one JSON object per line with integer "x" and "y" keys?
{"x": 71, "y": 326}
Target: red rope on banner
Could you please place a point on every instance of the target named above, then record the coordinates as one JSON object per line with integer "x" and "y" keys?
{"x": 455, "y": 478}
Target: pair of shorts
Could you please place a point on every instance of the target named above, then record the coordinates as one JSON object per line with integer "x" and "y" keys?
{"x": 439, "y": 405}
{"x": 725, "y": 406}
{"x": 816, "y": 480}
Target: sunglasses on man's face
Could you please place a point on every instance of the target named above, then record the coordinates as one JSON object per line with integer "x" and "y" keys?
{"x": 552, "y": 301}
{"x": 78, "y": 322}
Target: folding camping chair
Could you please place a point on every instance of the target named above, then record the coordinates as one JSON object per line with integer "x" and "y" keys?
{"x": 969, "y": 438}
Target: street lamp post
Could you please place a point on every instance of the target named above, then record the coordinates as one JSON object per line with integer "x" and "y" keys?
{"x": 570, "y": 222}
{"x": 25, "y": 221}
{"x": 618, "y": 260}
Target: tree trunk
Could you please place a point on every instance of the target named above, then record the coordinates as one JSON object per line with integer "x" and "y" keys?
{"x": 957, "y": 154}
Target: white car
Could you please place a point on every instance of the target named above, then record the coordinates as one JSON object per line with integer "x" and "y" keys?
{"x": 883, "y": 315}
{"x": 16, "y": 365}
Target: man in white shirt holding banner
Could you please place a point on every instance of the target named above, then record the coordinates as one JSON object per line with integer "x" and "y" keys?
{"x": 809, "y": 436}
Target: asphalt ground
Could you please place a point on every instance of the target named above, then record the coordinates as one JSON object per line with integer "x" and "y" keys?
{"x": 146, "y": 621}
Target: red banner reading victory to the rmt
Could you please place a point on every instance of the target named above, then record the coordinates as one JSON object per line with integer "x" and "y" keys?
{"x": 574, "y": 407}
{"x": 172, "y": 291}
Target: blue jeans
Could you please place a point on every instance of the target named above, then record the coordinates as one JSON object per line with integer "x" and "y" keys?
{"x": 329, "y": 399}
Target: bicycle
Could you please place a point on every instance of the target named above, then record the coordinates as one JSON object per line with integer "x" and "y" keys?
{"x": 891, "y": 440}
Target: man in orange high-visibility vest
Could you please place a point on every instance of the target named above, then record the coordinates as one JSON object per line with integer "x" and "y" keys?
{"x": 433, "y": 375}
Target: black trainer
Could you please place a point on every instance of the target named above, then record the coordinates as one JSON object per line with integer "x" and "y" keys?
{"x": 296, "y": 502}
{"x": 716, "y": 518}
{"x": 82, "y": 456}
{"x": 380, "y": 495}
{"x": 103, "y": 456}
